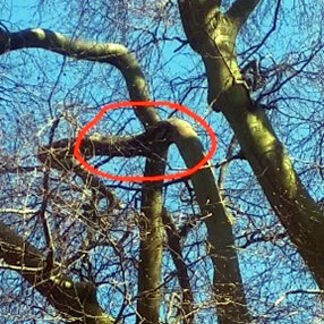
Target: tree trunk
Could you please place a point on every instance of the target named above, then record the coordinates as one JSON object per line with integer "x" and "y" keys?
{"x": 213, "y": 37}
{"x": 151, "y": 245}
{"x": 228, "y": 288}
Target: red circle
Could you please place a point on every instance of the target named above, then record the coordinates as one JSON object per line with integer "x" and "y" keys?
{"x": 185, "y": 110}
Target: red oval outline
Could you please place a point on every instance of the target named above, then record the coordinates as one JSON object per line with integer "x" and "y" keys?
{"x": 185, "y": 110}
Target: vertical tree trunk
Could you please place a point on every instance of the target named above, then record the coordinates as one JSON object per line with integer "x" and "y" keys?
{"x": 213, "y": 36}
{"x": 151, "y": 245}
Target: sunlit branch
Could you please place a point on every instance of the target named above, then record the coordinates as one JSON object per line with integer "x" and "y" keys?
{"x": 72, "y": 300}
{"x": 240, "y": 11}
{"x": 151, "y": 243}
{"x": 114, "y": 54}
{"x": 18, "y": 211}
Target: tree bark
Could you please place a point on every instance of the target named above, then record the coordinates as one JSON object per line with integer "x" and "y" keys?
{"x": 227, "y": 282}
{"x": 227, "y": 92}
{"x": 151, "y": 245}
{"x": 228, "y": 287}
{"x": 187, "y": 306}
{"x": 76, "y": 302}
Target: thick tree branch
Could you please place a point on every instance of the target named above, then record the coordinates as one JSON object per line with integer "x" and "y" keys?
{"x": 199, "y": 13}
{"x": 76, "y": 302}
{"x": 192, "y": 4}
{"x": 271, "y": 164}
{"x": 240, "y": 11}
{"x": 151, "y": 245}
{"x": 61, "y": 152}
{"x": 228, "y": 286}
{"x": 227, "y": 282}
{"x": 114, "y": 54}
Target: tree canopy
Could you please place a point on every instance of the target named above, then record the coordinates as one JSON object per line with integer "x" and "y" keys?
{"x": 240, "y": 240}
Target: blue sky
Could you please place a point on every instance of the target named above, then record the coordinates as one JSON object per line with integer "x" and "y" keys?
{"x": 23, "y": 14}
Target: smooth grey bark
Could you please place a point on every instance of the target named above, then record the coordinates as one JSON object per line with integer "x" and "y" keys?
{"x": 214, "y": 39}
{"x": 227, "y": 282}
{"x": 228, "y": 287}
{"x": 151, "y": 245}
{"x": 110, "y": 53}
{"x": 241, "y": 10}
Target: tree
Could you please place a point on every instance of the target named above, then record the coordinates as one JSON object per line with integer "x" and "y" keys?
{"x": 72, "y": 222}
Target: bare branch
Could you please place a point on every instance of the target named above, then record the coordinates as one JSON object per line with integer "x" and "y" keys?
{"x": 110, "y": 53}
{"x": 255, "y": 48}
{"x": 182, "y": 273}
{"x": 74, "y": 301}
{"x": 151, "y": 245}
{"x": 18, "y": 211}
